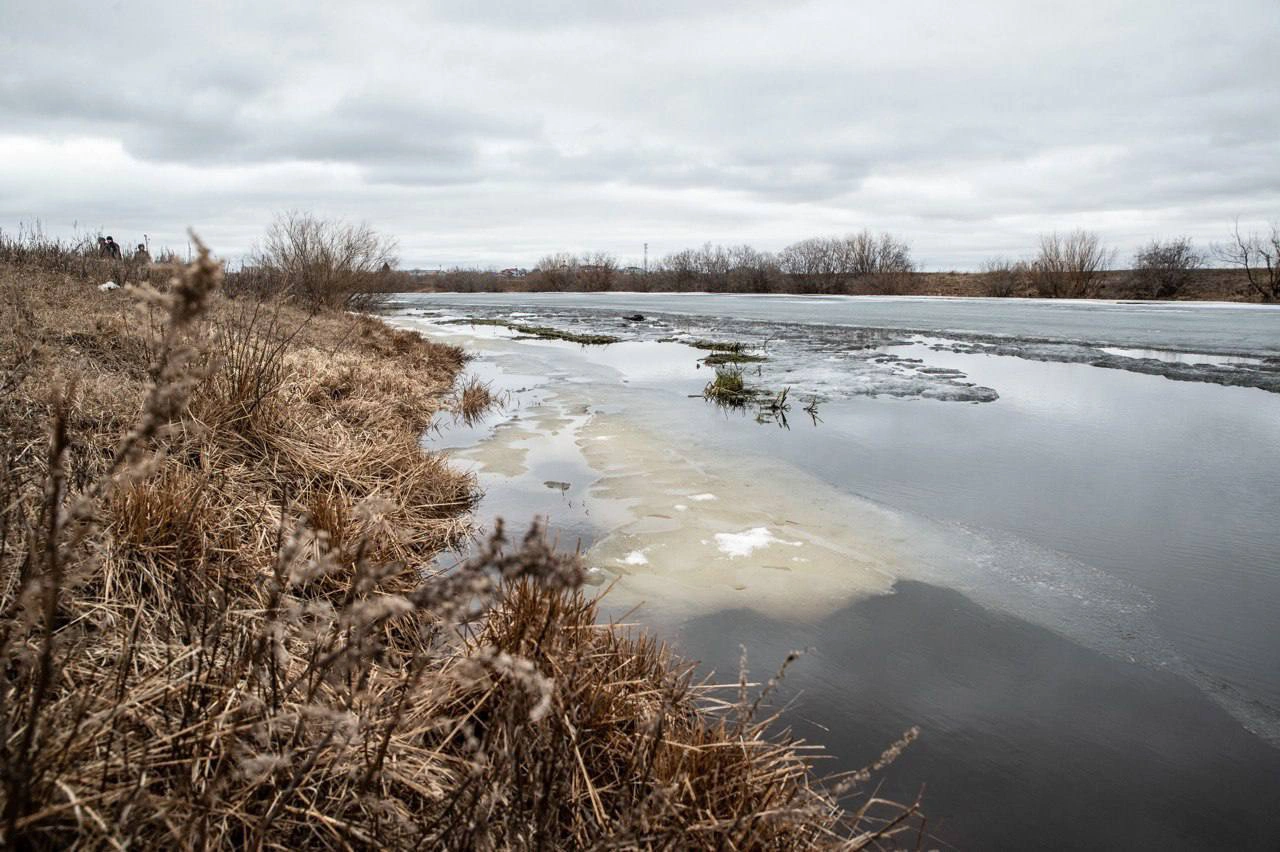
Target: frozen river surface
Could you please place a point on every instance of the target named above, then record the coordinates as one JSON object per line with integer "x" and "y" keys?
{"x": 1045, "y": 532}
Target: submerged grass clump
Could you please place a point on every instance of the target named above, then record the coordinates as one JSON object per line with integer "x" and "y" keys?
{"x": 719, "y": 358}
{"x": 476, "y": 321}
{"x": 543, "y": 332}
{"x": 728, "y": 387}
{"x": 724, "y": 352}
{"x": 219, "y": 627}
{"x": 733, "y": 347}
{"x": 548, "y": 333}
{"x": 729, "y": 390}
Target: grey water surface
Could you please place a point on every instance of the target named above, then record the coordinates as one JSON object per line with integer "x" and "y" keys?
{"x": 1080, "y": 500}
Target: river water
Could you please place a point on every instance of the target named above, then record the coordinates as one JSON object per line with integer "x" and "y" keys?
{"x": 1043, "y": 532}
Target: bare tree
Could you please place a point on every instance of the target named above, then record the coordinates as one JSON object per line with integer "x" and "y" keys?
{"x": 884, "y": 260}
{"x": 681, "y": 267}
{"x": 459, "y": 279}
{"x": 1070, "y": 266}
{"x": 556, "y": 272}
{"x": 752, "y": 271}
{"x": 1162, "y": 269}
{"x": 1258, "y": 256}
{"x": 828, "y": 264}
{"x": 706, "y": 268}
{"x": 597, "y": 270}
{"x": 323, "y": 262}
{"x": 866, "y": 254}
{"x": 812, "y": 263}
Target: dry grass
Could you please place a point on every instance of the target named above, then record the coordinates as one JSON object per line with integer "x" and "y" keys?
{"x": 30, "y": 248}
{"x": 632, "y": 752}
{"x": 219, "y": 629}
{"x": 473, "y": 400}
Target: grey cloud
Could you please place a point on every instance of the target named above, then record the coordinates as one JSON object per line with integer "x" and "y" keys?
{"x": 554, "y": 14}
{"x": 421, "y": 142}
{"x": 796, "y": 178}
{"x": 749, "y": 121}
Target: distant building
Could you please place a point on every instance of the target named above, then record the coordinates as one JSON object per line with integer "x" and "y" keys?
{"x": 514, "y": 272}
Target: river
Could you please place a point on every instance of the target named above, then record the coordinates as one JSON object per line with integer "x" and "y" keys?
{"x": 1043, "y": 532}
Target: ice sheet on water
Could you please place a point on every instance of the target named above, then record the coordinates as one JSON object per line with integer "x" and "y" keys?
{"x": 842, "y": 362}
{"x": 875, "y": 373}
{"x": 1184, "y": 357}
{"x": 1237, "y": 371}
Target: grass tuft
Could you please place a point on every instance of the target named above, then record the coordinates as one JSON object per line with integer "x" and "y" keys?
{"x": 473, "y": 400}
{"x": 720, "y": 358}
{"x": 728, "y": 388}
{"x": 732, "y": 347}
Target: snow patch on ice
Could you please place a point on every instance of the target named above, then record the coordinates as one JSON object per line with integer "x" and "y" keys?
{"x": 746, "y": 543}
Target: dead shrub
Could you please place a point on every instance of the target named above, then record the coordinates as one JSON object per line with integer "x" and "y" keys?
{"x": 1162, "y": 269}
{"x": 1070, "y": 266}
{"x": 322, "y": 263}
{"x": 1002, "y": 278}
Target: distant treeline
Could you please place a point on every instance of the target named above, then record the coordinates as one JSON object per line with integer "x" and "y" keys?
{"x": 862, "y": 262}
{"x": 1065, "y": 265}
{"x": 324, "y": 263}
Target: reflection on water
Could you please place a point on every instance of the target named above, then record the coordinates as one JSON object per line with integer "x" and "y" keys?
{"x": 1027, "y": 741}
{"x": 1070, "y": 587}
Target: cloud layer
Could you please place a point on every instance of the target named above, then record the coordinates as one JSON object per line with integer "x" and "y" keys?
{"x": 493, "y": 132}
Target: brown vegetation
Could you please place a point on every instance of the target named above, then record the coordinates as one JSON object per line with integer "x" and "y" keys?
{"x": 220, "y": 627}
{"x": 319, "y": 263}
{"x": 1164, "y": 268}
{"x": 473, "y": 400}
{"x": 1066, "y": 265}
{"x": 1002, "y": 277}
{"x": 1069, "y": 266}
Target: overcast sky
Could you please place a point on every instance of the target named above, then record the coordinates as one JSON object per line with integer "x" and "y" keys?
{"x": 491, "y": 133}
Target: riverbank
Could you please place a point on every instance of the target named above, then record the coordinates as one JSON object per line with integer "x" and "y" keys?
{"x": 218, "y": 630}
